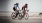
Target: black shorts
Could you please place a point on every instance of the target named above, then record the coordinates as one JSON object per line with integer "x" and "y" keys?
{"x": 14, "y": 8}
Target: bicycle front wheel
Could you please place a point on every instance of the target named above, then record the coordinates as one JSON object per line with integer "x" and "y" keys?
{"x": 26, "y": 16}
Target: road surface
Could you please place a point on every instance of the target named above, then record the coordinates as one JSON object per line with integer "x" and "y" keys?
{"x": 6, "y": 18}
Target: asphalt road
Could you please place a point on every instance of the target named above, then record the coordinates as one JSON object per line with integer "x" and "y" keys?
{"x": 6, "y": 18}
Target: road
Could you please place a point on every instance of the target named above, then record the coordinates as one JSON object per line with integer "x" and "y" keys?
{"x": 6, "y": 18}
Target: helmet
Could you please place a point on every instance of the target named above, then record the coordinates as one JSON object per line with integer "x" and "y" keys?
{"x": 26, "y": 4}
{"x": 17, "y": 3}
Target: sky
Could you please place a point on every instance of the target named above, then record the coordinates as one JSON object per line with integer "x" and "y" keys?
{"x": 33, "y": 5}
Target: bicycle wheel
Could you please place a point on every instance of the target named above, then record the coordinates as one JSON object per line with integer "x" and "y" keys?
{"x": 13, "y": 15}
{"x": 26, "y": 16}
{"x": 20, "y": 17}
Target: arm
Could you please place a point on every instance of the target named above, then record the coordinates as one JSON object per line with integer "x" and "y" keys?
{"x": 26, "y": 8}
{"x": 18, "y": 7}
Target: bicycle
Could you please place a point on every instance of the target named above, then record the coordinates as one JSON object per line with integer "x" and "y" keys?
{"x": 15, "y": 14}
{"x": 22, "y": 16}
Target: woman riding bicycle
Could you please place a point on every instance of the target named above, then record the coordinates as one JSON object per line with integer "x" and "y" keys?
{"x": 15, "y": 8}
{"x": 24, "y": 10}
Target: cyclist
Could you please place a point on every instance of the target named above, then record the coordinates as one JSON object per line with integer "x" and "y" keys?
{"x": 23, "y": 8}
{"x": 15, "y": 8}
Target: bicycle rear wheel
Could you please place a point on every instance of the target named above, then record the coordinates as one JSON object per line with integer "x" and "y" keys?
{"x": 13, "y": 15}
